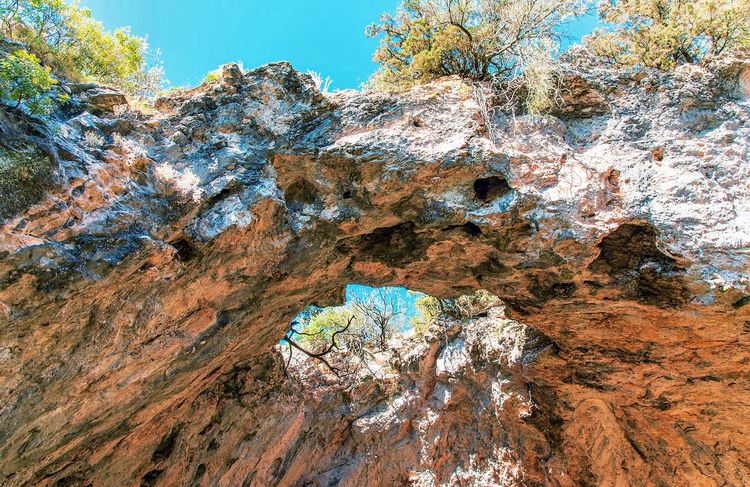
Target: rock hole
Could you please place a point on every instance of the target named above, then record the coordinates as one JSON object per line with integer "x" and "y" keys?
{"x": 347, "y": 195}
{"x": 78, "y": 190}
{"x": 488, "y": 189}
{"x": 373, "y": 326}
{"x": 185, "y": 249}
{"x": 395, "y": 245}
{"x": 150, "y": 478}
{"x": 301, "y": 191}
{"x": 469, "y": 228}
{"x": 627, "y": 249}
{"x": 613, "y": 178}
{"x": 166, "y": 446}
{"x": 630, "y": 255}
{"x": 75, "y": 480}
{"x": 550, "y": 287}
{"x": 199, "y": 472}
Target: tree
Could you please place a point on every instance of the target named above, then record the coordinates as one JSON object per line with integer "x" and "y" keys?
{"x": 23, "y": 79}
{"x": 666, "y": 33}
{"x": 379, "y": 316}
{"x": 322, "y": 324}
{"x": 73, "y": 43}
{"x": 476, "y": 39}
{"x": 295, "y": 339}
{"x": 346, "y": 338}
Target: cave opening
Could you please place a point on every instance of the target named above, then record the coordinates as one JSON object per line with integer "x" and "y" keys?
{"x": 184, "y": 249}
{"x": 372, "y": 327}
{"x": 301, "y": 191}
{"x": 491, "y": 188}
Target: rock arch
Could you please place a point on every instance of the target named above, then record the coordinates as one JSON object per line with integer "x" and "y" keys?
{"x": 135, "y": 342}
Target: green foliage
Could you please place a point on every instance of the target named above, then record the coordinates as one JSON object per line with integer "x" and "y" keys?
{"x": 23, "y": 79}
{"x": 321, "y": 326}
{"x": 323, "y": 84}
{"x": 212, "y": 76}
{"x": 26, "y": 173}
{"x": 472, "y": 305}
{"x": 476, "y": 39}
{"x": 69, "y": 40}
{"x": 666, "y": 33}
{"x": 539, "y": 80}
{"x": 428, "y": 309}
{"x": 370, "y": 322}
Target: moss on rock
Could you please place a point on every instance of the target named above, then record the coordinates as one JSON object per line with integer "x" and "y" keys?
{"x": 26, "y": 174}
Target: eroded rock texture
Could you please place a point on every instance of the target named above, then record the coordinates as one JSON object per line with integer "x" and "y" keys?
{"x": 144, "y": 281}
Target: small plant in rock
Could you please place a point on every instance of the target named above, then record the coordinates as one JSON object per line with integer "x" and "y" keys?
{"x": 24, "y": 80}
{"x": 134, "y": 152}
{"x": 429, "y": 309}
{"x": 472, "y": 305}
{"x": 323, "y": 84}
{"x": 121, "y": 110}
{"x": 93, "y": 140}
{"x": 212, "y": 76}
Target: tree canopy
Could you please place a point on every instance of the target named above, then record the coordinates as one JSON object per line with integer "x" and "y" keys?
{"x": 666, "y": 33}
{"x": 476, "y": 39}
{"x": 70, "y": 41}
{"x": 23, "y": 79}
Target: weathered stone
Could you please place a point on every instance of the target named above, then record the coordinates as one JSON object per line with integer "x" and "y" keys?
{"x": 98, "y": 98}
{"x": 579, "y": 99}
{"x": 231, "y": 75}
{"x": 141, "y": 294}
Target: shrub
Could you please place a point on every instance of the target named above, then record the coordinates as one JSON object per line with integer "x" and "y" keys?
{"x": 23, "y": 79}
{"x": 472, "y": 305}
{"x": 69, "y": 40}
{"x": 666, "y": 33}
{"x": 212, "y": 76}
{"x": 26, "y": 173}
{"x": 93, "y": 140}
{"x": 428, "y": 310}
{"x": 323, "y": 84}
{"x": 476, "y": 39}
{"x": 121, "y": 110}
{"x": 322, "y": 325}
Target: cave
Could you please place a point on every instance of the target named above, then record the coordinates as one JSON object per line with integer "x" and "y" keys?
{"x": 604, "y": 340}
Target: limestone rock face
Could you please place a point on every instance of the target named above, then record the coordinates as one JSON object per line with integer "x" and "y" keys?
{"x": 153, "y": 261}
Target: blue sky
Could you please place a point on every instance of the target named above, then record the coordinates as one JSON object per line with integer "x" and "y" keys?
{"x": 196, "y": 36}
{"x": 407, "y": 301}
